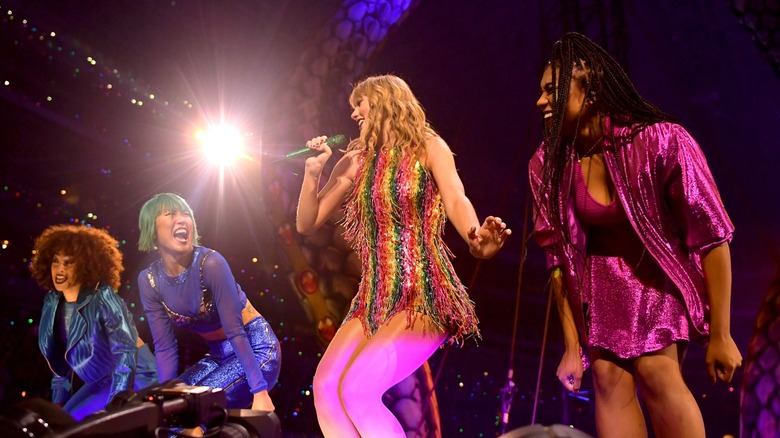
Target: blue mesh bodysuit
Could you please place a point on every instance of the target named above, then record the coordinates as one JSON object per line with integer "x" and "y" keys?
{"x": 203, "y": 298}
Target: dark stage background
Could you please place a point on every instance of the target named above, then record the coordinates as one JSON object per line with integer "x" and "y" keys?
{"x": 99, "y": 101}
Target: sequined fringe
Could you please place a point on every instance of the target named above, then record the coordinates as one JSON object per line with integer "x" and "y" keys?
{"x": 395, "y": 219}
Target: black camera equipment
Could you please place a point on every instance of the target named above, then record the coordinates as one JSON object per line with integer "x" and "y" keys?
{"x": 159, "y": 411}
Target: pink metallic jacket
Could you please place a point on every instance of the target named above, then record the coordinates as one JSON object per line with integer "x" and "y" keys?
{"x": 667, "y": 191}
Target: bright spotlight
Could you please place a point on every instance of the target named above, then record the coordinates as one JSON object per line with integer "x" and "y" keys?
{"x": 222, "y": 145}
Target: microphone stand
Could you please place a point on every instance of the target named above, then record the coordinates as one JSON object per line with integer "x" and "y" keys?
{"x": 509, "y": 389}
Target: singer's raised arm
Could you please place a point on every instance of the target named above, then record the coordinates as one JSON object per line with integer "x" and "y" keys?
{"x": 314, "y": 207}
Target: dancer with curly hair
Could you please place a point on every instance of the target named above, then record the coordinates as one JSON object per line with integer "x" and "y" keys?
{"x": 85, "y": 326}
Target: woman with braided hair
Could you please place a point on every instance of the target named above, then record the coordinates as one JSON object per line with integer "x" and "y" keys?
{"x": 85, "y": 326}
{"x": 397, "y": 182}
{"x": 637, "y": 239}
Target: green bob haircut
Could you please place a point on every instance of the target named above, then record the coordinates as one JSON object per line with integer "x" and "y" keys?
{"x": 147, "y": 219}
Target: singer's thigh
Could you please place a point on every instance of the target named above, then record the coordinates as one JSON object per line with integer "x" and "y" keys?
{"x": 394, "y": 352}
{"x": 342, "y": 349}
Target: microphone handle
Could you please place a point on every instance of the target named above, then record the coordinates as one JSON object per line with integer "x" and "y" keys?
{"x": 333, "y": 141}
{"x": 296, "y": 153}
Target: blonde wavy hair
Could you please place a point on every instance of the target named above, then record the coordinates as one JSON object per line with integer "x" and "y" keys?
{"x": 395, "y": 113}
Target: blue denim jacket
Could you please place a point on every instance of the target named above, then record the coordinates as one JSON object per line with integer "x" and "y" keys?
{"x": 101, "y": 341}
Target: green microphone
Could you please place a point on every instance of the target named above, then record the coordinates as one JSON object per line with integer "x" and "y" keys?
{"x": 334, "y": 141}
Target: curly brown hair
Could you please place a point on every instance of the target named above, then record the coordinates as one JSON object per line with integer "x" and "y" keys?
{"x": 97, "y": 255}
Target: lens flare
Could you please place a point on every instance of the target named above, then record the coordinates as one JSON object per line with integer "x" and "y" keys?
{"x": 222, "y": 145}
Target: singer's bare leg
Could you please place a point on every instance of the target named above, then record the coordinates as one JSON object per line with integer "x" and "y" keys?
{"x": 331, "y": 413}
{"x": 391, "y": 355}
{"x": 356, "y": 371}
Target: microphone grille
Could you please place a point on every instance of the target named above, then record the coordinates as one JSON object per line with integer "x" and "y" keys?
{"x": 336, "y": 140}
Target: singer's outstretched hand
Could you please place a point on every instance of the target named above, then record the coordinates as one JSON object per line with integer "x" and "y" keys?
{"x": 485, "y": 242}
{"x": 314, "y": 164}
